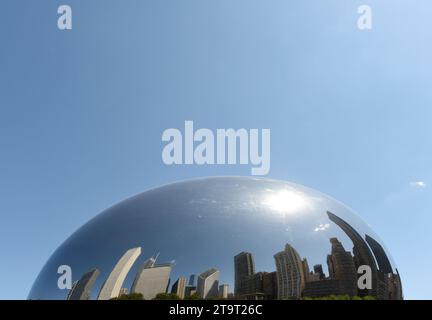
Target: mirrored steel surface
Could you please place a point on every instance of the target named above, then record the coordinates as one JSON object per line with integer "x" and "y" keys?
{"x": 227, "y": 237}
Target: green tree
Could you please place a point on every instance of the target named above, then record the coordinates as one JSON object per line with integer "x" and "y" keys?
{"x": 166, "y": 296}
{"x": 131, "y": 296}
{"x": 194, "y": 296}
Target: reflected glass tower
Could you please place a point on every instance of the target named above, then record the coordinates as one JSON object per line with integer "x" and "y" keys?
{"x": 192, "y": 280}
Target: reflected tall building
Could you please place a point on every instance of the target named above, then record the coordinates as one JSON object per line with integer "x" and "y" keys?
{"x": 152, "y": 280}
{"x": 394, "y": 286}
{"x": 289, "y": 271}
{"x": 254, "y": 287}
{"x": 111, "y": 287}
{"x": 192, "y": 280}
{"x": 362, "y": 253}
{"x": 71, "y": 290}
{"x": 383, "y": 261}
{"x": 208, "y": 284}
{"x": 179, "y": 287}
{"x": 342, "y": 268}
{"x": 306, "y": 272}
{"x": 270, "y": 285}
{"x": 223, "y": 291}
{"x": 82, "y": 288}
{"x": 244, "y": 267}
{"x": 321, "y": 288}
{"x": 318, "y": 269}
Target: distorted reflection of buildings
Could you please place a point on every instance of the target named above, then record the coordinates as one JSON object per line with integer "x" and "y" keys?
{"x": 289, "y": 271}
{"x": 82, "y": 288}
{"x": 244, "y": 268}
{"x": 192, "y": 280}
{"x": 361, "y": 252}
{"x": 292, "y": 278}
{"x": 152, "y": 279}
{"x": 113, "y": 284}
{"x": 208, "y": 284}
{"x": 318, "y": 270}
{"x": 179, "y": 287}
{"x": 385, "y": 284}
{"x": 341, "y": 267}
{"x": 223, "y": 291}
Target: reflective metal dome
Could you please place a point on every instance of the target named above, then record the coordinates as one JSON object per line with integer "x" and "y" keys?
{"x": 227, "y": 237}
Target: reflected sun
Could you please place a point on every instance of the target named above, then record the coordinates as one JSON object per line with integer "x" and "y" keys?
{"x": 285, "y": 201}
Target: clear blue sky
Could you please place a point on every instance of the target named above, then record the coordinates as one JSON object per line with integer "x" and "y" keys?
{"x": 82, "y": 111}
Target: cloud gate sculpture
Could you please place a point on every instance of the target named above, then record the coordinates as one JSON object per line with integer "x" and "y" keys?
{"x": 223, "y": 238}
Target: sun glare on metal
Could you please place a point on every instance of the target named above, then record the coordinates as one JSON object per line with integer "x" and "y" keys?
{"x": 286, "y": 201}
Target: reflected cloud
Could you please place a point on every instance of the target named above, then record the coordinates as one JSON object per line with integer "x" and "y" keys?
{"x": 322, "y": 227}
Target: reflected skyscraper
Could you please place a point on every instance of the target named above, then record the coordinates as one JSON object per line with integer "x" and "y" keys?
{"x": 192, "y": 280}
{"x": 362, "y": 253}
{"x": 290, "y": 275}
{"x": 322, "y": 288}
{"x": 270, "y": 285}
{"x": 244, "y": 267}
{"x": 71, "y": 290}
{"x": 208, "y": 284}
{"x": 306, "y": 271}
{"x": 82, "y": 288}
{"x": 318, "y": 269}
{"x": 342, "y": 268}
{"x": 223, "y": 291}
{"x": 111, "y": 287}
{"x": 179, "y": 287}
{"x": 383, "y": 261}
{"x": 152, "y": 280}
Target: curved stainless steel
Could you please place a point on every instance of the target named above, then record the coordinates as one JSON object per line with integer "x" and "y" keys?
{"x": 241, "y": 237}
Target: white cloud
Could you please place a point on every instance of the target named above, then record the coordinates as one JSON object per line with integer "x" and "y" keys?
{"x": 418, "y": 184}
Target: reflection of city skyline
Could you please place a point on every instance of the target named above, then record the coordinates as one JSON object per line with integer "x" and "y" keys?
{"x": 291, "y": 279}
